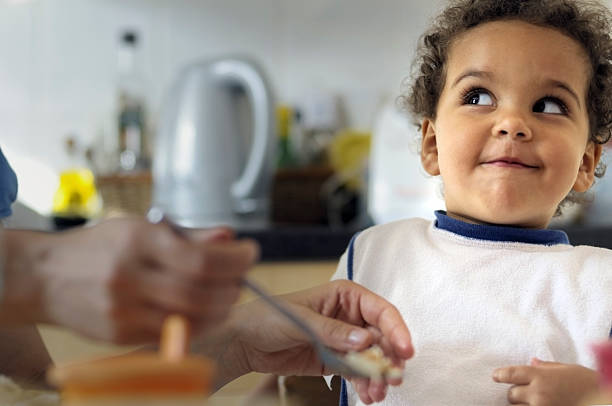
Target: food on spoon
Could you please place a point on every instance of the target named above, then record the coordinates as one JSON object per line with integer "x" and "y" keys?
{"x": 373, "y": 363}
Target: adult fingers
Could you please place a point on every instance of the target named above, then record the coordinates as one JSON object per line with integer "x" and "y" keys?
{"x": 381, "y": 314}
{"x": 377, "y": 389}
{"x": 135, "y": 323}
{"x": 517, "y": 394}
{"x": 337, "y": 334}
{"x": 165, "y": 248}
{"x": 230, "y": 259}
{"x": 174, "y": 294}
{"x": 361, "y": 386}
{"x": 369, "y": 391}
{"x": 225, "y": 260}
{"x": 518, "y": 375}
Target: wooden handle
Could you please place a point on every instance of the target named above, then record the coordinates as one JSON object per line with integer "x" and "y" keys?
{"x": 174, "y": 338}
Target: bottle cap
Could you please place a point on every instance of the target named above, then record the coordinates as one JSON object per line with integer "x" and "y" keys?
{"x": 129, "y": 37}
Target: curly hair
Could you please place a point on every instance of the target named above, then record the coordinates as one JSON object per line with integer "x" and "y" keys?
{"x": 587, "y": 22}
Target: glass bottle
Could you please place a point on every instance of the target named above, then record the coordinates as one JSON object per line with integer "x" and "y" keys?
{"x": 286, "y": 158}
{"x": 76, "y": 199}
{"x": 130, "y": 120}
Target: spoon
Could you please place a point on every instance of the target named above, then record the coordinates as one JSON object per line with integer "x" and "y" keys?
{"x": 331, "y": 359}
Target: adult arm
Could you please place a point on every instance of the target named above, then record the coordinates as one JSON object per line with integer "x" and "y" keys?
{"x": 23, "y": 355}
{"x": 344, "y": 314}
{"x": 118, "y": 280}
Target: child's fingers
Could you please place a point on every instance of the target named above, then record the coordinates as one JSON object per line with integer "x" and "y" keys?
{"x": 369, "y": 390}
{"x": 377, "y": 390}
{"x": 518, "y": 375}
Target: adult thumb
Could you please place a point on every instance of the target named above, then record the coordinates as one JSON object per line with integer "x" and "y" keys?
{"x": 339, "y": 335}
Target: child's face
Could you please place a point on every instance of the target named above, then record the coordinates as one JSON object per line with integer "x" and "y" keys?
{"x": 510, "y": 139}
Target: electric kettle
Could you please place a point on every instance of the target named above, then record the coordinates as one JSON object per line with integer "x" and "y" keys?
{"x": 215, "y": 145}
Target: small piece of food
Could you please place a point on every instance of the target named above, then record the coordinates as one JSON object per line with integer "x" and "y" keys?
{"x": 373, "y": 363}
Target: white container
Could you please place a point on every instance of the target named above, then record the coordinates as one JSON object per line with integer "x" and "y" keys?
{"x": 398, "y": 185}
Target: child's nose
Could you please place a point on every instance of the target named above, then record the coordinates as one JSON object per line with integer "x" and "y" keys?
{"x": 514, "y": 126}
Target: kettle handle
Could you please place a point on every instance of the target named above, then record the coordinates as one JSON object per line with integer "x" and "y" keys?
{"x": 259, "y": 161}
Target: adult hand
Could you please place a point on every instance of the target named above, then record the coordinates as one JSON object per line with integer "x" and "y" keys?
{"x": 547, "y": 383}
{"x": 118, "y": 280}
{"x": 345, "y": 315}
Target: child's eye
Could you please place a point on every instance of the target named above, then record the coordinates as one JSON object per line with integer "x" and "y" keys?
{"x": 550, "y": 105}
{"x": 478, "y": 97}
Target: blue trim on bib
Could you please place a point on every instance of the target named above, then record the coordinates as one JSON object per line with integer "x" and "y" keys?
{"x": 349, "y": 260}
{"x": 349, "y": 276}
{"x": 499, "y": 233}
{"x": 343, "y": 393}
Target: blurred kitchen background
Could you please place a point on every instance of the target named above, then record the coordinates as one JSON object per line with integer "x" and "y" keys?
{"x": 334, "y": 70}
{"x": 89, "y": 88}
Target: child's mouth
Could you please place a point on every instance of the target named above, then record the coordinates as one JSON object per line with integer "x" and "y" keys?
{"x": 510, "y": 163}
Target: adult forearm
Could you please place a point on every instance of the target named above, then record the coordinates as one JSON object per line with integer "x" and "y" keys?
{"x": 24, "y": 357}
{"x": 224, "y": 348}
{"x": 23, "y": 254}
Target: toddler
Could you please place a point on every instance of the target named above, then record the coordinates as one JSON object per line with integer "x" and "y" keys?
{"x": 514, "y": 101}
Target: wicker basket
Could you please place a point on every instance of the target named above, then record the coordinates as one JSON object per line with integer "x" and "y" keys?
{"x": 125, "y": 193}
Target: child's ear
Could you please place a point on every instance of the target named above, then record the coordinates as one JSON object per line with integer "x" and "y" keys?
{"x": 429, "y": 148}
{"x": 586, "y": 172}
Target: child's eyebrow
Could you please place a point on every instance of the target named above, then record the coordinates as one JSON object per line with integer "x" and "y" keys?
{"x": 473, "y": 73}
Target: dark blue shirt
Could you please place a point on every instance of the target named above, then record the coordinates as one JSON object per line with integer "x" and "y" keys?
{"x": 8, "y": 187}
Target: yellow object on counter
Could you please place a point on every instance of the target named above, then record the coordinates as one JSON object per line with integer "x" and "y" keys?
{"x": 76, "y": 195}
{"x": 283, "y": 120}
{"x": 348, "y": 154}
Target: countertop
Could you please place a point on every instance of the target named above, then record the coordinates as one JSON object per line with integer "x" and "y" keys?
{"x": 303, "y": 243}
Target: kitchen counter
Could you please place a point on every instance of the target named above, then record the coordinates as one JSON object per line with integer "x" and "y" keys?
{"x": 300, "y": 243}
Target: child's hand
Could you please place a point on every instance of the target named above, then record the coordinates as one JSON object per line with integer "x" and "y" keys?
{"x": 547, "y": 383}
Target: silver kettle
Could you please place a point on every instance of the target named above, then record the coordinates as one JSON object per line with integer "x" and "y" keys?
{"x": 215, "y": 147}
